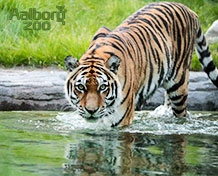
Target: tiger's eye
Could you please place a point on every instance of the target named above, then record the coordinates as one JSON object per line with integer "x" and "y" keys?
{"x": 102, "y": 87}
{"x": 81, "y": 87}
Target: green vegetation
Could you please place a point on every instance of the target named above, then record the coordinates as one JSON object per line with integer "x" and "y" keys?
{"x": 83, "y": 18}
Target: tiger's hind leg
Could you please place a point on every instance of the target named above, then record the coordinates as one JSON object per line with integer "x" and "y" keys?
{"x": 177, "y": 92}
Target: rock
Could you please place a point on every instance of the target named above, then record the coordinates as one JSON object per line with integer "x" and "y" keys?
{"x": 32, "y": 90}
{"x": 202, "y": 95}
{"x": 44, "y": 90}
{"x": 212, "y": 33}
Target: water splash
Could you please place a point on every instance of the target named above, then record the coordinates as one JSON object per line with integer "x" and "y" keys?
{"x": 73, "y": 121}
{"x": 158, "y": 122}
{"x": 162, "y": 122}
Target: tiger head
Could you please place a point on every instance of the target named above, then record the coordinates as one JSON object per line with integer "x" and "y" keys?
{"x": 93, "y": 88}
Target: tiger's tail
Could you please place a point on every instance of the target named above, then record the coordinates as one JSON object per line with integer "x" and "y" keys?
{"x": 204, "y": 55}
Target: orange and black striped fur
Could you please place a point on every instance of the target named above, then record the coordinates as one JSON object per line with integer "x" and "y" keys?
{"x": 152, "y": 48}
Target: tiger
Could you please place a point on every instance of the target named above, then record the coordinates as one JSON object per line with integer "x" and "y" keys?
{"x": 152, "y": 48}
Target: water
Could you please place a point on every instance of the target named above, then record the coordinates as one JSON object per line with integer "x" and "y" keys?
{"x": 52, "y": 143}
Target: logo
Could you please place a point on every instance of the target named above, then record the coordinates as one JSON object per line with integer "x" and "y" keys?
{"x": 36, "y": 20}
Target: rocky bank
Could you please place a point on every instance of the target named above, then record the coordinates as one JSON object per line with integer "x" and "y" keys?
{"x": 44, "y": 90}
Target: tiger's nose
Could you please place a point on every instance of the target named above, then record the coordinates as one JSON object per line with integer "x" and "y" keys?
{"x": 91, "y": 111}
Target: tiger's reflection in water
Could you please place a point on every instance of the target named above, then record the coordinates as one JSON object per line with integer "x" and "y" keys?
{"x": 127, "y": 154}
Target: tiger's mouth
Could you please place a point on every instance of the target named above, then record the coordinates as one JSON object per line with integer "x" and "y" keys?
{"x": 91, "y": 117}
{"x": 96, "y": 116}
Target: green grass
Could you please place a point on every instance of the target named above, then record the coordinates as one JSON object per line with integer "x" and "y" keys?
{"x": 19, "y": 47}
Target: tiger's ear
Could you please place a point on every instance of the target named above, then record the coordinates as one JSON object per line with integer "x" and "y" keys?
{"x": 71, "y": 63}
{"x": 113, "y": 63}
{"x": 102, "y": 32}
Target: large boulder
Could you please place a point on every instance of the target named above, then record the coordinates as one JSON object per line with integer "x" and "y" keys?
{"x": 32, "y": 90}
{"x": 202, "y": 95}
